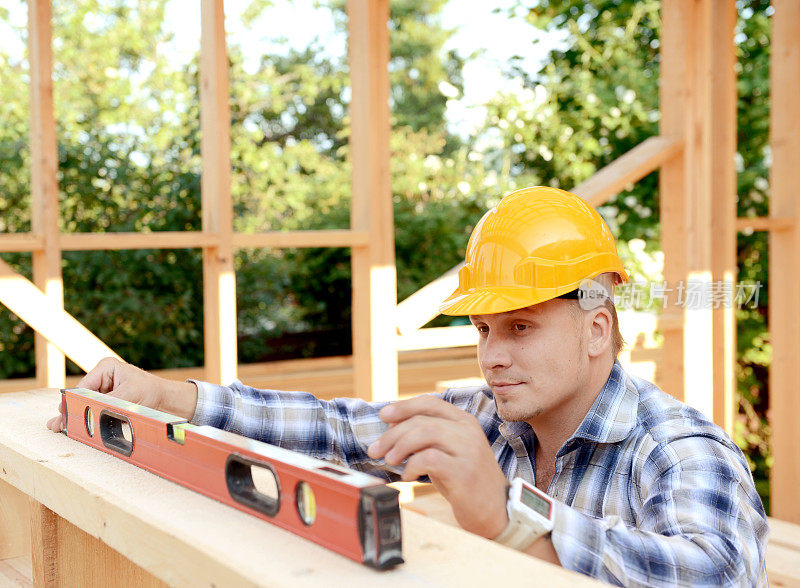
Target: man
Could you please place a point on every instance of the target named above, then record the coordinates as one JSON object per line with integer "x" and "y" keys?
{"x": 640, "y": 488}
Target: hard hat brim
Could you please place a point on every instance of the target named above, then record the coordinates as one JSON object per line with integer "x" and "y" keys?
{"x": 495, "y": 299}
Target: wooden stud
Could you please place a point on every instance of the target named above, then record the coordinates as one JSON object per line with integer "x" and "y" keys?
{"x": 63, "y": 555}
{"x": 373, "y": 267}
{"x": 784, "y": 256}
{"x": 724, "y": 269}
{"x": 15, "y": 533}
{"x": 219, "y": 281}
{"x": 685, "y": 189}
{"x": 50, "y": 365}
{"x": 44, "y": 544}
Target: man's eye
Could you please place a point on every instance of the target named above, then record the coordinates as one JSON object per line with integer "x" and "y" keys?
{"x": 482, "y": 328}
{"x": 520, "y": 327}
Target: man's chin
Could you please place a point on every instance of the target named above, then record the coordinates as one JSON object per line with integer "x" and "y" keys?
{"x": 514, "y": 414}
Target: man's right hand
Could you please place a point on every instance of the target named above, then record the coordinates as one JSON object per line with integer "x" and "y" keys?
{"x": 122, "y": 380}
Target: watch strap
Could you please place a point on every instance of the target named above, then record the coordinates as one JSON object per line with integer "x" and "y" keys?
{"x": 519, "y": 535}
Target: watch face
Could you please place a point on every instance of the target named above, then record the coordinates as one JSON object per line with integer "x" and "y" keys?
{"x": 532, "y": 500}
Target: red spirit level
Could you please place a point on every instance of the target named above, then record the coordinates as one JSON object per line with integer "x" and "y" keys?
{"x": 350, "y": 512}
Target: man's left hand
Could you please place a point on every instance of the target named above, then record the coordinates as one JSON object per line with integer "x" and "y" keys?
{"x": 446, "y": 443}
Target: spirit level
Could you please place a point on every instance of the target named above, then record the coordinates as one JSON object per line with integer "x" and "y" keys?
{"x": 350, "y": 512}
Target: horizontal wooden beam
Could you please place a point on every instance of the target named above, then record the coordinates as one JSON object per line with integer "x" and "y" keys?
{"x": 283, "y": 239}
{"x": 46, "y": 317}
{"x": 423, "y": 305}
{"x": 763, "y": 223}
{"x": 627, "y": 169}
{"x": 16, "y": 242}
{"x": 139, "y": 240}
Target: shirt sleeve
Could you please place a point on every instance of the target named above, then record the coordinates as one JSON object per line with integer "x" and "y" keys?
{"x": 338, "y": 430}
{"x": 700, "y": 523}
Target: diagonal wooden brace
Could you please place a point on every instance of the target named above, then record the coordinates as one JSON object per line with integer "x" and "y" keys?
{"x": 30, "y": 304}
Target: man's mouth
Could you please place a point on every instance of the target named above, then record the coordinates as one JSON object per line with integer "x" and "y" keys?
{"x": 503, "y": 385}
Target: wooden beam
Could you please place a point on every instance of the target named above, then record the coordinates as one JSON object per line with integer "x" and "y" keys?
{"x": 724, "y": 268}
{"x": 438, "y": 337}
{"x": 219, "y": 280}
{"x": 423, "y": 305}
{"x": 50, "y": 319}
{"x": 784, "y": 259}
{"x": 143, "y": 240}
{"x": 15, "y": 242}
{"x": 763, "y": 223}
{"x": 628, "y": 169}
{"x": 284, "y": 239}
{"x": 373, "y": 266}
{"x": 50, "y": 365}
{"x": 685, "y": 196}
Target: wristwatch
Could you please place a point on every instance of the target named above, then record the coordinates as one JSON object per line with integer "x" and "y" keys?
{"x": 530, "y": 515}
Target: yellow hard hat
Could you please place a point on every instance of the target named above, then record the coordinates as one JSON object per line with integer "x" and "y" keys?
{"x": 538, "y": 243}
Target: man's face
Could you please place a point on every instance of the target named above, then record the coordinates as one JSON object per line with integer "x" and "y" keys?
{"x": 534, "y": 359}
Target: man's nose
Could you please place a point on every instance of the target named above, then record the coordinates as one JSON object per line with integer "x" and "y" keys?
{"x": 494, "y": 353}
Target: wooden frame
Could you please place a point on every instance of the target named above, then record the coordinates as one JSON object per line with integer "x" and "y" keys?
{"x": 784, "y": 250}
{"x": 371, "y": 236}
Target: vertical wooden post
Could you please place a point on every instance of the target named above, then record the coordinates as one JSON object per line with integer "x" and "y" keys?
{"x": 685, "y": 189}
{"x": 44, "y": 545}
{"x": 15, "y": 532}
{"x": 219, "y": 281}
{"x": 784, "y": 260}
{"x": 724, "y": 270}
{"x": 50, "y": 366}
{"x": 373, "y": 267}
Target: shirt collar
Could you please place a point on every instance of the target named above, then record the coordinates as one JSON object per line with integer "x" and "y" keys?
{"x": 610, "y": 419}
{"x": 612, "y": 416}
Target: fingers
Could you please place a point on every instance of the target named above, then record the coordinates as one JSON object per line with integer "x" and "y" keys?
{"x": 425, "y": 404}
{"x": 413, "y": 435}
{"x": 101, "y": 377}
{"x": 54, "y": 424}
{"x": 425, "y": 463}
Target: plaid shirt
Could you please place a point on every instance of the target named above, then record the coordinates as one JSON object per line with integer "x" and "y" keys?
{"x": 648, "y": 491}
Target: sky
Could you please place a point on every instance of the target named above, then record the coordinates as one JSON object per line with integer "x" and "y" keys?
{"x": 492, "y": 37}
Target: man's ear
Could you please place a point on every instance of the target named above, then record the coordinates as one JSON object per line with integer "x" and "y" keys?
{"x": 599, "y": 331}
